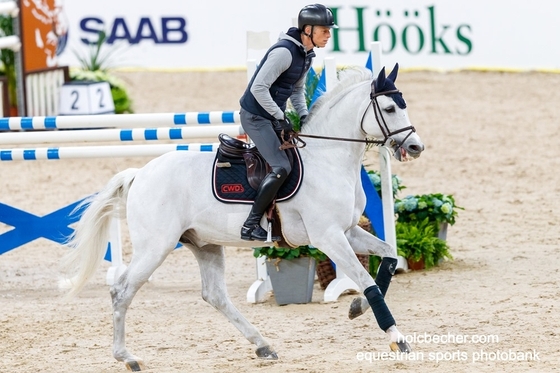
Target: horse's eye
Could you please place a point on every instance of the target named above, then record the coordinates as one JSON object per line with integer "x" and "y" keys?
{"x": 390, "y": 109}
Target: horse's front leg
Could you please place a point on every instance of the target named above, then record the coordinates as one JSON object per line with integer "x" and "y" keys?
{"x": 341, "y": 252}
{"x": 365, "y": 243}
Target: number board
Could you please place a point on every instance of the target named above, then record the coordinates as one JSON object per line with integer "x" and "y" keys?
{"x": 85, "y": 97}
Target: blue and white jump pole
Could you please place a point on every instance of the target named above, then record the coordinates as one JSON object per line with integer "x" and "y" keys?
{"x": 86, "y": 129}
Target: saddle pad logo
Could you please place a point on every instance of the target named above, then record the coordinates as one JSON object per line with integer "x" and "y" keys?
{"x": 232, "y": 188}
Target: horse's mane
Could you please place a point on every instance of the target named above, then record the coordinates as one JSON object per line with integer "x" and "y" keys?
{"x": 347, "y": 77}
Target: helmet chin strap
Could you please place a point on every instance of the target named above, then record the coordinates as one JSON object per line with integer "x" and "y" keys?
{"x": 310, "y": 36}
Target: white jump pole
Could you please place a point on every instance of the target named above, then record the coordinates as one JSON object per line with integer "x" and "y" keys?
{"x": 9, "y": 8}
{"x": 117, "y": 266}
{"x": 120, "y": 121}
{"x": 262, "y": 285}
{"x": 123, "y": 135}
{"x": 108, "y": 151}
{"x": 385, "y": 172}
{"x": 10, "y": 42}
{"x": 342, "y": 282}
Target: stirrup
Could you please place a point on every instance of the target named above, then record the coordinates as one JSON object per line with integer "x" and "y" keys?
{"x": 257, "y": 233}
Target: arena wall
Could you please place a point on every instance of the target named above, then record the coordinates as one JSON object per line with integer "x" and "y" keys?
{"x": 435, "y": 34}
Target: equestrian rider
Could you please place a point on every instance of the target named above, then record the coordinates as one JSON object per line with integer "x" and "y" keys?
{"x": 280, "y": 76}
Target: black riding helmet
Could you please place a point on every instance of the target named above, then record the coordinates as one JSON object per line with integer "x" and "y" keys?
{"x": 315, "y": 15}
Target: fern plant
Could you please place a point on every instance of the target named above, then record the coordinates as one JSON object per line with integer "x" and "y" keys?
{"x": 289, "y": 252}
{"x": 417, "y": 241}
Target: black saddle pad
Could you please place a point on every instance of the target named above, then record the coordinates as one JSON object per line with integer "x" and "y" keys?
{"x": 230, "y": 184}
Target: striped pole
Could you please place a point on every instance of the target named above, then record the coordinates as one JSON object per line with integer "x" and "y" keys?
{"x": 124, "y": 135}
{"x": 71, "y": 152}
{"x": 9, "y": 8}
{"x": 119, "y": 121}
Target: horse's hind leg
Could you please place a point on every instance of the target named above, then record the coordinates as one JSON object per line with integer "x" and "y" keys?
{"x": 146, "y": 258}
{"x": 211, "y": 261}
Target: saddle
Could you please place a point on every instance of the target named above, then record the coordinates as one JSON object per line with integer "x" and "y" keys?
{"x": 231, "y": 148}
{"x": 238, "y": 171}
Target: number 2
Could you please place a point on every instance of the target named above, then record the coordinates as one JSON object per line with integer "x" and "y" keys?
{"x": 100, "y": 93}
{"x": 75, "y": 93}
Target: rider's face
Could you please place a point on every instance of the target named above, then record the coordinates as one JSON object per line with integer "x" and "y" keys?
{"x": 321, "y": 35}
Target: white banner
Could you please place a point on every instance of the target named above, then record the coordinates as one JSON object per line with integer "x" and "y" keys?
{"x": 171, "y": 34}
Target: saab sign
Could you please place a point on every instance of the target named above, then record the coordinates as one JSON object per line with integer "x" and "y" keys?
{"x": 165, "y": 30}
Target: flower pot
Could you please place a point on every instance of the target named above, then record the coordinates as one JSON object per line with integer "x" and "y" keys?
{"x": 292, "y": 280}
{"x": 416, "y": 266}
{"x": 325, "y": 273}
{"x": 442, "y": 232}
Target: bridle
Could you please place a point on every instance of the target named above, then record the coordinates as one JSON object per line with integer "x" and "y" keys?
{"x": 293, "y": 139}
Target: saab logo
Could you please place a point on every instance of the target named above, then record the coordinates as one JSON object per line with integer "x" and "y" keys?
{"x": 165, "y": 30}
{"x": 232, "y": 188}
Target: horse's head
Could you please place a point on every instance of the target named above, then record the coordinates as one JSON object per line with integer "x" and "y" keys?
{"x": 390, "y": 115}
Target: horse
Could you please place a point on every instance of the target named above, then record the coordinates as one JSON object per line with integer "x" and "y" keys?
{"x": 170, "y": 200}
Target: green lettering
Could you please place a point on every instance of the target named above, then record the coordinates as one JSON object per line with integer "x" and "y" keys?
{"x": 420, "y": 39}
{"x": 359, "y": 29}
{"x": 464, "y": 39}
{"x": 392, "y": 34}
{"x": 433, "y": 33}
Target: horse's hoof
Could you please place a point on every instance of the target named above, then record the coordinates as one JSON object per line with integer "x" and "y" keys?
{"x": 135, "y": 366}
{"x": 402, "y": 347}
{"x": 266, "y": 353}
{"x": 356, "y": 308}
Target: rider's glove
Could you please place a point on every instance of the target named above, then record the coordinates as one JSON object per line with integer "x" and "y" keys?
{"x": 285, "y": 125}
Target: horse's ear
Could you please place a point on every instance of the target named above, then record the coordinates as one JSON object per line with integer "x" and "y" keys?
{"x": 380, "y": 81}
{"x": 393, "y": 75}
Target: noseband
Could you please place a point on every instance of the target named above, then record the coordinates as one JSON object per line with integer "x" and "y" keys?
{"x": 381, "y": 122}
{"x": 294, "y": 137}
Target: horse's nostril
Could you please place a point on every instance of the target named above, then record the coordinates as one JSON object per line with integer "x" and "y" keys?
{"x": 415, "y": 149}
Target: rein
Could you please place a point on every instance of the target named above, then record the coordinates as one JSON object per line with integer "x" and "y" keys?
{"x": 293, "y": 139}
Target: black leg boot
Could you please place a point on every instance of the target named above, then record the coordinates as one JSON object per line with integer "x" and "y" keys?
{"x": 385, "y": 273}
{"x": 270, "y": 185}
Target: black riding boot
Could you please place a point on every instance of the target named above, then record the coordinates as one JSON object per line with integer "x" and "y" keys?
{"x": 270, "y": 185}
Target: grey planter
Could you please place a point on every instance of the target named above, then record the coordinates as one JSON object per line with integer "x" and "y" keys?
{"x": 442, "y": 233}
{"x": 292, "y": 280}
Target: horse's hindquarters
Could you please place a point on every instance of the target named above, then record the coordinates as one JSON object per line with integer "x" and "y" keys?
{"x": 172, "y": 195}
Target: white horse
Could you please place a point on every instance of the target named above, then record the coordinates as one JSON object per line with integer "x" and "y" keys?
{"x": 170, "y": 199}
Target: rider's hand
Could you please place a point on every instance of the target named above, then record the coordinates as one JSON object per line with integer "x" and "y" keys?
{"x": 302, "y": 120}
{"x": 285, "y": 125}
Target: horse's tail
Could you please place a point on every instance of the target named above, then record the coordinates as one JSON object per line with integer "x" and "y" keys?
{"x": 88, "y": 243}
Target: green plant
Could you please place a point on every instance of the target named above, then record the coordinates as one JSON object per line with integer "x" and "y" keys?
{"x": 311, "y": 82}
{"x": 95, "y": 67}
{"x": 289, "y": 252}
{"x": 375, "y": 178}
{"x": 97, "y": 58}
{"x": 7, "y": 58}
{"x": 437, "y": 208}
{"x": 416, "y": 240}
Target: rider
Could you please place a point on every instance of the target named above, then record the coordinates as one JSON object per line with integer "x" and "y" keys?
{"x": 280, "y": 75}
